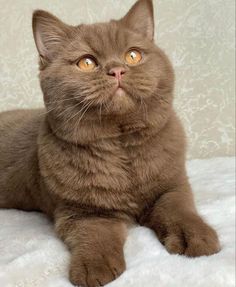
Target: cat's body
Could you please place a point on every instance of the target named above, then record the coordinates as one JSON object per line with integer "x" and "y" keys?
{"x": 124, "y": 170}
{"x": 118, "y": 159}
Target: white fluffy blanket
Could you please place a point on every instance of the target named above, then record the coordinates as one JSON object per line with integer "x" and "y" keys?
{"x": 32, "y": 256}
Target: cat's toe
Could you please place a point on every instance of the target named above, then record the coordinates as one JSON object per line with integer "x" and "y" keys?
{"x": 192, "y": 239}
{"x": 175, "y": 244}
{"x": 203, "y": 245}
{"x": 97, "y": 271}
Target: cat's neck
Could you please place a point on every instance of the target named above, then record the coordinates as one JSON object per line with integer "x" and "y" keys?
{"x": 92, "y": 129}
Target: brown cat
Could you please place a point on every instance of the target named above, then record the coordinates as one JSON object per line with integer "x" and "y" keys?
{"x": 109, "y": 151}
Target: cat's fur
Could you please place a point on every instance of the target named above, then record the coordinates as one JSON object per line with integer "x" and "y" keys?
{"x": 122, "y": 162}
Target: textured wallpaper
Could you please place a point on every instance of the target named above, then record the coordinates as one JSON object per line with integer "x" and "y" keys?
{"x": 198, "y": 35}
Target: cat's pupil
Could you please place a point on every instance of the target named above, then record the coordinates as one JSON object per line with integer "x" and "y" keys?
{"x": 133, "y": 55}
{"x": 88, "y": 62}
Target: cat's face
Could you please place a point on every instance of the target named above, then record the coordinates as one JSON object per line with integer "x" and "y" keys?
{"x": 104, "y": 69}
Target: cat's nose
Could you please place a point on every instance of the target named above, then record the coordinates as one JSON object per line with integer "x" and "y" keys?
{"x": 117, "y": 72}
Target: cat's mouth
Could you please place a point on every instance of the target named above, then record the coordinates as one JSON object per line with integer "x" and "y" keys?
{"x": 120, "y": 101}
{"x": 119, "y": 92}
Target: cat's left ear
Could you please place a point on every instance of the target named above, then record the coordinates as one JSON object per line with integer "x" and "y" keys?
{"x": 140, "y": 18}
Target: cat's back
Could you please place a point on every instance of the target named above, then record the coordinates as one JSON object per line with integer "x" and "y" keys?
{"x": 13, "y": 116}
{"x": 19, "y": 122}
{"x": 18, "y": 134}
{"x": 18, "y": 156}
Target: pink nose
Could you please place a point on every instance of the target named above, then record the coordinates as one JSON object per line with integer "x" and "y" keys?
{"x": 117, "y": 72}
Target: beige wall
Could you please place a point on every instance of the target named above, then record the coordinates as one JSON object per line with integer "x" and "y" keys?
{"x": 198, "y": 35}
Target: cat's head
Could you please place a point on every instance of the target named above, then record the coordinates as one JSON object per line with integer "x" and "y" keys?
{"x": 102, "y": 69}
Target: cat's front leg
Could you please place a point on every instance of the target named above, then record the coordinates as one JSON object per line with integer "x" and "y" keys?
{"x": 96, "y": 245}
{"x": 179, "y": 227}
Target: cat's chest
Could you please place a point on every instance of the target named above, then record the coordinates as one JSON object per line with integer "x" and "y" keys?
{"x": 144, "y": 156}
{"x": 125, "y": 170}
{"x": 114, "y": 173}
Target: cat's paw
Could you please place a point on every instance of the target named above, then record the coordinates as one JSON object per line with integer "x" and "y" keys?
{"x": 96, "y": 270}
{"x": 192, "y": 238}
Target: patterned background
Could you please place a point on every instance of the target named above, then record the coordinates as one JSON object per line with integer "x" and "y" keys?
{"x": 198, "y": 35}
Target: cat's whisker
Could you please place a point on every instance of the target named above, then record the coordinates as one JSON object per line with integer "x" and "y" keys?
{"x": 79, "y": 112}
{"x": 70, "y": 108}
{"x": 64, "y": 100}
{"x": 72, "y": 117}
{"x": 48, "y": 111}
{"x": 100, "y": 113}
{"x": 65, "y": 111}
{"x": 58, "y": 101}
{"x": 141, "y": 104}
{"x": 145, "y": 108}
{"x": 85, "y": 111}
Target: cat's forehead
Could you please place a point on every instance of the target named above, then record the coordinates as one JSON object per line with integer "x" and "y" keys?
{"x": 103, "y": 38}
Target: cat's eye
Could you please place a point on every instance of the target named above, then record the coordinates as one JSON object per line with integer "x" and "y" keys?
{"x": 87, "y": 64}
{"x": 133, "y": 57}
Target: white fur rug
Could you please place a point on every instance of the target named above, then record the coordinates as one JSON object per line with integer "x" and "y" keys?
{"x": 32, "y": 256}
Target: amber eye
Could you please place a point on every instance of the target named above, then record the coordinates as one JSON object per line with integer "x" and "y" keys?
{"x": 87, "y": 64}
{"x": 133, "y": 57}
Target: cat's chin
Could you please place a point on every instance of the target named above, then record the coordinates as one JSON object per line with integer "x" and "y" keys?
{"x": 120, "y": 103}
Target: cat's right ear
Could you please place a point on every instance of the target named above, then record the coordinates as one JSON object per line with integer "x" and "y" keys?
{"x": 49, "y": 33}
